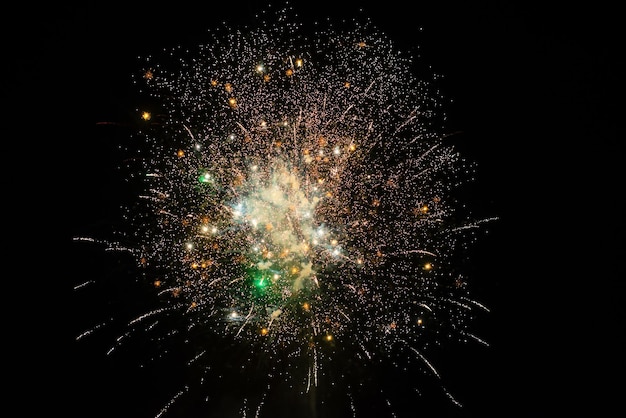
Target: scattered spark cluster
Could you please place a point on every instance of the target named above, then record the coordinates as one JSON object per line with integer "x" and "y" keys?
{"x": 297, "y": 207}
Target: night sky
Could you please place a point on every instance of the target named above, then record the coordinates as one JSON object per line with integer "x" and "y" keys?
{"x": 537, "y": 99}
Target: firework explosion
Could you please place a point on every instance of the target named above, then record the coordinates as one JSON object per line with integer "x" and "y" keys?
{"x": 296, "y": 215}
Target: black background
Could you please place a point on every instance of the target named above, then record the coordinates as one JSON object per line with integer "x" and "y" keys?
{"x": 538, "y": 98}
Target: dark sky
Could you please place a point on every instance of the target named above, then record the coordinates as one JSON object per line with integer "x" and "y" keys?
{"x": 538, "y": 98}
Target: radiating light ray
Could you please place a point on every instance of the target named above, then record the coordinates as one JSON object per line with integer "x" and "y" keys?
{"x": 480, "y": 340}
{"x": 424, "y": 359}
{"x": 89, "y": 331}
{"x": 88, "y": 282}
{"x": 171, "y": 402}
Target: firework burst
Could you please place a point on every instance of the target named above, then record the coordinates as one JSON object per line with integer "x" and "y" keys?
{"x": 297, "y": 216}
